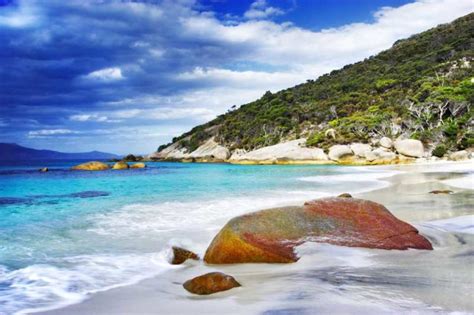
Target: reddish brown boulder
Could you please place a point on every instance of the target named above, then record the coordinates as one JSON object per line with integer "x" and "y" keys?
{"x": 270, "y": 236}
{"x": 180, "y": 255}
{"x": 211, "y": 283}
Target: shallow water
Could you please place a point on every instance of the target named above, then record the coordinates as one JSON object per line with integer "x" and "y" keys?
{"x": 65, "y": 235}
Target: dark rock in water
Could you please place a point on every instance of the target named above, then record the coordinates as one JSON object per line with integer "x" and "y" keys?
{"x": 444, "y": 192}
{"x": 91, "y": 166}
{"x": 270, "y": 236}
{"x": 13, "y": 200}
{"x": 44, "y": 169}
{"x": 345, "y": 195}
{"x": 211, "y": 283}
{"x": 180, "y": 255}
{"x": 133, "y": 158}
{"x": 88, "y": 194}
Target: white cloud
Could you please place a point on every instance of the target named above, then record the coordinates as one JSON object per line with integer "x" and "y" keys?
{"x": 301, "y": 53}
{"x": 91, "y": 117}
{"x": 107, "y": 74}
{"x": 286, "y": 44}
{"x": 244, "y": 79}
{"x": 260, "y": 10}
{"x": 50, "y": 132}
{"x": 18, "y": 16}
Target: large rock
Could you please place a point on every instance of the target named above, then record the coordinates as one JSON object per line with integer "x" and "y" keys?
{"x": 211, "y": 150}
{"x": 338, "y": 151}
{"x": 211, "y": 283}
{"x": 360, "y": 149}
{"x": 138, "y": 165}
{"x": 386, "y": 142}
{"x": 410, "y": 147}
{"x": 270, "y": 236}
{"x": 180, "y": 255}
{"x": 91, "y": 166}
{"x": 294, "y": 150}
{"x": 120, "y": 165}
{"x": 380, "y": 155}
{"x": 208, "y": 151}
{"x": 459, "y": 155}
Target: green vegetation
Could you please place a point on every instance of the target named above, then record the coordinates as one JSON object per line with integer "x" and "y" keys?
{"x": 440, "y": 150}
{"x": 422, "y": 88}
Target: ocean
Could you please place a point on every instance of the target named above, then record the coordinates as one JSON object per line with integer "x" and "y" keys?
{"x": 66, "y": 235}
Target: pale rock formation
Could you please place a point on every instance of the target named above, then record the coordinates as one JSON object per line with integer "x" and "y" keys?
{"x": 380, "y": 155}
{"x": 459, "y": 155}
{"x": 211, "y": 149}
{"x": 292, "y": 150}
{"x": 338, "y": 151}
{"x": 360, "y": 149}
{"x": 410, "y": 147}
{"x": 386, "y": 142}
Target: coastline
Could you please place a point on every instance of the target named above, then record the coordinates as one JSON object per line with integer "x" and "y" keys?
{"x": 413, "y": 184}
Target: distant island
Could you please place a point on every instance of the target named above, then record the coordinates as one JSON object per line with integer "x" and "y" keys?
{"x": 411, "y": 101}
{"x": 13, "y": 152}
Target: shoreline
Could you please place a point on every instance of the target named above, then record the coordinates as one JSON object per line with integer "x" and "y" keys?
{"x": 346, "y": 162}
{"x": 105, "y": 301}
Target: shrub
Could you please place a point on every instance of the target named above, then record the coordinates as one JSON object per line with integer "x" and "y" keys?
{"x": 439, "y": 151}
{"x": 315, "y": 139}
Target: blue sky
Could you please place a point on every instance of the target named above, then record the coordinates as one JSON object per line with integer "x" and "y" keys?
{"x": 127, "y": 76}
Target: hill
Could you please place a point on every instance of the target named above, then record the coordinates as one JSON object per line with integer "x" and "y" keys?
{"x": 12, "y": 151}
{"x": 421, "y": 88}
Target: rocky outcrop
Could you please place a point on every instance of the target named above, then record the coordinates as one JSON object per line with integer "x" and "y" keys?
{"x": 410, "y": 147}
{"x": 380, "y": 155}
{"x": 211, "y": 283}
{"x": 270, "y": 236}
{"x": 292, "y": 151}
{"x": 138, "y": 165}
{"x": 180, "y": 255}
{"x": 360, "y": 149}
{"x": 459, "y": 156}
{"x": 338, "y": 152}
{"x": 91, "y": 166}
{"x": 386, "y": 142}
{"x": 121, "y": 165}
{"x": 171, "y": 152}
{"x": 211, "y": 150}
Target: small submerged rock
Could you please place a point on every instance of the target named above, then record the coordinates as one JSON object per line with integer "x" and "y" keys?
{"x": 211, "y": 283}
{"x": 180, "y": 255}
{"x": 445, "y": 192}
{"x": 91, "y": 166}
{"x": 270, "y": 236}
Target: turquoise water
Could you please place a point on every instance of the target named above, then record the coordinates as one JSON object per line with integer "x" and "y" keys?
{"x": 65, "y": 234}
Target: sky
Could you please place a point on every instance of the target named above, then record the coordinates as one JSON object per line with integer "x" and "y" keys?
{"x": 127, "y": 76}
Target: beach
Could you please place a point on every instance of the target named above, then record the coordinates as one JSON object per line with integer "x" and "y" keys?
{"x": 332, "y": 279}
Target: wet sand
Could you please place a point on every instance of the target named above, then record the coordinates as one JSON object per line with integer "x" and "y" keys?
{"x": 337, "y": 280}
